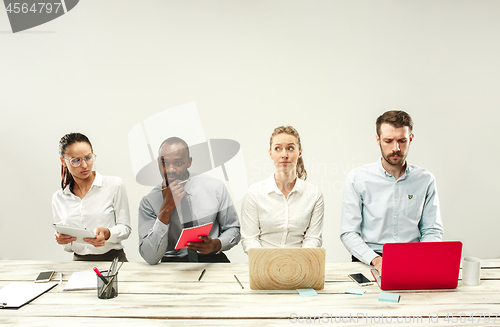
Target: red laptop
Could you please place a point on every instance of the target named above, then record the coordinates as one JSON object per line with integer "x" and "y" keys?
{"x": 417, "y": 266}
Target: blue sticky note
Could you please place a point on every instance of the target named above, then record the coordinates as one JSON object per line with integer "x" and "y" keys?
{"x": 356, "y": 291}
{"x": 388, "y": 297}
{"x": 306, "y": 292}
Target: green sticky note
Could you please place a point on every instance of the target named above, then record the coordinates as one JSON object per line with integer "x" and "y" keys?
{"x": 356, "y": 291}
{"x": 306, "y": 292}
{"x": 388, "y": 297}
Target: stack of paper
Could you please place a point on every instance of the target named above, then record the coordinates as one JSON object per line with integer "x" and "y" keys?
{"x": 82, "y": 280}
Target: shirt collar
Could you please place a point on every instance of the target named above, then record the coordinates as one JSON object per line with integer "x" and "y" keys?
{"x": 383, "y": 171}
{"x": 188, "y": 187}
{"x": 272, "y": 187}
{"x": 97, "y": 182}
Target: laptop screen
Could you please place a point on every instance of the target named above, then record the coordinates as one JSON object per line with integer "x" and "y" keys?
{"x": 423, "y": 265}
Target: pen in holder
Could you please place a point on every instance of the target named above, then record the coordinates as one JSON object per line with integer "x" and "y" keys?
{"x": 107, "y": 286}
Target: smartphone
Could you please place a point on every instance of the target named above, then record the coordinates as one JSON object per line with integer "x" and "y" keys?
{"x": 360, "y": 279}
{"x": 44, "y": 276}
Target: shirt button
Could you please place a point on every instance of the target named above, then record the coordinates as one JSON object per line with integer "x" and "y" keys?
{"x": 394, "y": 234}
{"x": 396, "y": 200}
{"x": 395, "y": 216}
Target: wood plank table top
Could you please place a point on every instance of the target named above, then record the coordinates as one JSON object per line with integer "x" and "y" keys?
{"x": 169, "y": 294}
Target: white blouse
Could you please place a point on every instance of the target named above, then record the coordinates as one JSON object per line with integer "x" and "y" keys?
{"x": 105, "y": 205}
{"x": 271, "y": 220}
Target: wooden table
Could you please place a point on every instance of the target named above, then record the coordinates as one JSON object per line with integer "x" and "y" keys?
{"x": 170, "y": 295}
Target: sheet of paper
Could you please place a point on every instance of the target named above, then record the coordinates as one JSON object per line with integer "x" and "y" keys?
{"x": 356, "y": 291}
{"x": 82, "y": 280}
{"x": 192, "y": 234}
{"x": 388, "y": 297}
{"x": 16, "y": 294}
{"x": 306, "y": 292}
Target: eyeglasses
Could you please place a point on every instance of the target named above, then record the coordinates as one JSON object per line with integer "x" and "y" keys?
{"x": 76, "y": 162}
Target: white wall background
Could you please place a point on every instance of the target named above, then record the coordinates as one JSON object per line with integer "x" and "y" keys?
{"x": 328, "y": 68}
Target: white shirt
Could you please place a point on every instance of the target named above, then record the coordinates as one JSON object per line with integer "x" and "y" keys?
{"x": 105, "y": 205}
{"x": 269, "y": 219}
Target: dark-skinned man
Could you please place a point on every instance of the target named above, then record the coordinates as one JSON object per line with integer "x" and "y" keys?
{"x": 187, "y": 201}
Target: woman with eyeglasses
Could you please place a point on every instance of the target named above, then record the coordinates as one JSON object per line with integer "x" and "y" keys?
{"x": 90, "y": 200}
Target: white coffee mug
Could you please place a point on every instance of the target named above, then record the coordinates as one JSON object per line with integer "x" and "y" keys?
{"x": 471, "y": 271}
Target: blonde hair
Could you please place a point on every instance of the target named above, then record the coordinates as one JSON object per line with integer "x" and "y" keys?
{"x": 301, "y": 170}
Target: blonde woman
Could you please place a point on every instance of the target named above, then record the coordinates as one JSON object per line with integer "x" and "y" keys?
{"x": 283, "y": 210}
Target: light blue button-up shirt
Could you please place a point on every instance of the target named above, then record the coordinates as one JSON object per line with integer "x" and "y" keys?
{"x": 377, "y": 209}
